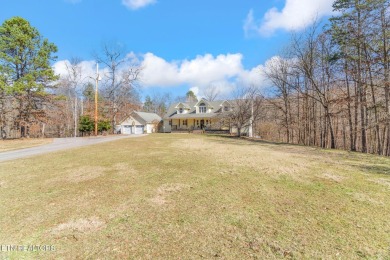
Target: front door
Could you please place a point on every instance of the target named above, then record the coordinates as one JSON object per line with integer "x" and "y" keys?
{"x": 202, "y": 124}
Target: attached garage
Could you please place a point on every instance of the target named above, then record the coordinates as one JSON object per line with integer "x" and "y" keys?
{"x": 139, "y": 129}
{"x": 139, "y": 123}
{"x": 126, "y": 129}
{"x": 132, "y": 130}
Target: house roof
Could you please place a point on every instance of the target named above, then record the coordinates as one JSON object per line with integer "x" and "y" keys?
{"x": 216, "y": 105}
{"x": 148, "y": 117}
{"x": 173, "y": 110}
{"x": 185, "y": 105}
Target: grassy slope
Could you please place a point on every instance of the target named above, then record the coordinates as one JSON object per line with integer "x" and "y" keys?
{"x": 189, "y": 196}
{"x": 8, "y": 145}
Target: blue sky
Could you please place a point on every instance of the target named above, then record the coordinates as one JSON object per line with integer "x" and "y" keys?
{"x": 181, "y": 44}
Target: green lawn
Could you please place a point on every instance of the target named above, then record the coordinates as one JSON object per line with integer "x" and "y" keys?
{"x": 191, "y": 196}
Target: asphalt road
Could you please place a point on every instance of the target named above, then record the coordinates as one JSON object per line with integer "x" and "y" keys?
{"x": 60, "y": 144}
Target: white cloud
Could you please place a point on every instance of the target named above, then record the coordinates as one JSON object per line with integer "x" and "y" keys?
{"x": 295, "y": 15}
{"x": 137, "y": 4}
{"x": 224, "y": 72}
{"x": 250, "y": 25}
{"x": 195, "y": 90}
{"x": 87, "y": 72}
{"x": 88, "y": 69}
{"x": 202, "y": 70}
{"x": 253, "y": 76}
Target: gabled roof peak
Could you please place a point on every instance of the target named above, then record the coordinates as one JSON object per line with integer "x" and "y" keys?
{"x": 202, "y": 100}
{"x": 183, "y": 104}
{"x": 225, "y": 101}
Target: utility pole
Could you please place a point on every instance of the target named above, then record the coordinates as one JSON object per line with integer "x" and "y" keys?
{"x": 96, "y": 99}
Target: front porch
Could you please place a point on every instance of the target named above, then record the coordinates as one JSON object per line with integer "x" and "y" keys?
{"x": 191, "y": 124}
{"x": 198, "y": 125}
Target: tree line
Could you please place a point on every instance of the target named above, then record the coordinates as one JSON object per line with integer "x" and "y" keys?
{"x": 331, "y": 85}
{"x": 34, "y": 101}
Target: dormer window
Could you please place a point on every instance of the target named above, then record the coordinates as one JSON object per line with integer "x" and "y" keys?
{"x": 202, "y": 108}
{"x": 226, "y": 106}
{"x": 181, "y": 110}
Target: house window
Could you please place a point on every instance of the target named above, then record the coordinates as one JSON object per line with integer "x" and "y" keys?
{"x": 170, "y": 122}
{"x": 225, "y": 108}
{"x": 185, "y": 122}
{"x": 202, "y": 108}
{"x": 181, "y": 110}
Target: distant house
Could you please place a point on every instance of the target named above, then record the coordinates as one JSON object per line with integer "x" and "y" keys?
{"x": 139, "y": 123}
{"x": 201, "y": 115}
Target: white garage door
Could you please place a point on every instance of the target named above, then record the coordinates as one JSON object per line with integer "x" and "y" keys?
{"x": 126, "y": 129}
{"x": 139, "y": 129}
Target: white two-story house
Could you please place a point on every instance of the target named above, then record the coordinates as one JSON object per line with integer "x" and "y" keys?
{"x": 206, "y": 115}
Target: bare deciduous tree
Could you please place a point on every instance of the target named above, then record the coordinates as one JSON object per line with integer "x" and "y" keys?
{"x": 119, "y": 81}
{"x": 337, "y": 88}
{"x": 247, "y": 104}
{"x": 211, "y": 93}
{"x": 70, "y": 86}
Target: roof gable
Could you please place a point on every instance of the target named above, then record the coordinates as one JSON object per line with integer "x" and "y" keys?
{"x": 148, "y": 117}
{"x": 203, "y": 100}
{"x": 183, "y": 105}
{"x": 225, "y": 102}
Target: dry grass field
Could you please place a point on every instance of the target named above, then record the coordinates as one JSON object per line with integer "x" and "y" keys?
{"x": 8, "y": 145}
{"x": 191, "y": 196}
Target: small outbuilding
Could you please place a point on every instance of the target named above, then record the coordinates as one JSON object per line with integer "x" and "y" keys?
{"x": 139, "y": 123}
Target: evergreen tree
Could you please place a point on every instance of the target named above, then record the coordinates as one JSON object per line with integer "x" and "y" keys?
{"x": 148, "y": 104}
{"x": 104, "y": 125}
{"x": 190, "y": 96}
{"x": 25, "y": 70}
{"x": 86, "y": 125}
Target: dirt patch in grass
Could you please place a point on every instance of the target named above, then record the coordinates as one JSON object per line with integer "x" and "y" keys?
{"x": 366, "y": 198}
{"x": 79, "y": 174}
{"x": 228, "y": 172}
{"x": 87, "y": 225}
{"x": 124, "y": 169}
{"x": 121, "y": 166}
{"x": 9, "y": 145}
{"x": 164, "y": 191}
{"x": 84, "y": 173}
{"x": 382, "y": 181}
{"x": 332, "y": 176}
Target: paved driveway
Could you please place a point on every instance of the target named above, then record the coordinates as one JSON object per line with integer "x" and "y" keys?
{"x": 60, "y": 144}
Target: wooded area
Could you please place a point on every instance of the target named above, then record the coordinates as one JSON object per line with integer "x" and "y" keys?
{"x": 34, "y": 102}
{"x": 331, "y": 85}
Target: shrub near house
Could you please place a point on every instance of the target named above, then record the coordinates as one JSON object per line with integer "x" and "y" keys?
{"x": 86, "y": 125}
